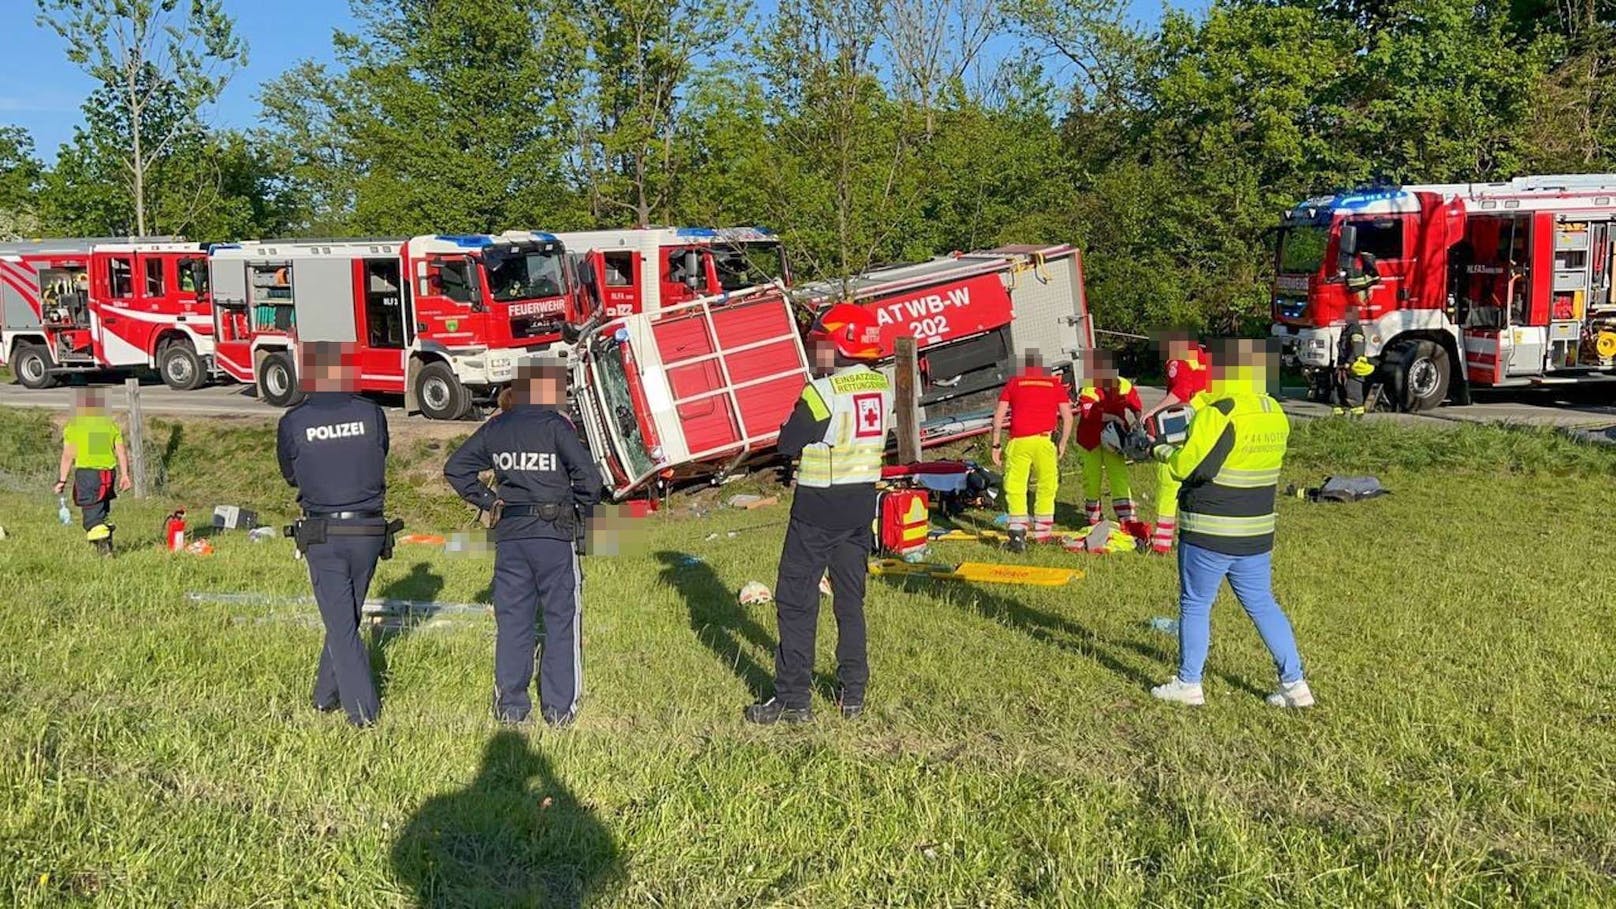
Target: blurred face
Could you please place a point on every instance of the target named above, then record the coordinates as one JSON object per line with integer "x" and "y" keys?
{"x": 544, "y": 386}
{"x": 329, "y": 367}
{"x": 823, "y": 355}
{"x": 88, "y": 400}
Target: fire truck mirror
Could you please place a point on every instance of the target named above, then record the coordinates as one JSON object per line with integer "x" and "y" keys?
{"x": 693, "y": 269}
{"x": 1349, "y": 241}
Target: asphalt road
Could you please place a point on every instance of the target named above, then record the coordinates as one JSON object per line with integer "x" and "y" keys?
{"x": 1585, "y": 409}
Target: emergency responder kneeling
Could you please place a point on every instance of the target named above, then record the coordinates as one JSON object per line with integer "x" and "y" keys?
{"x": 95, "y": 463}
{"x": 839, "y": 428}
{"x": 1032, "y": 401}
{"x": 333, "y": 448}
{"x": 1223, "y": 479}
{"x": 546, "y": 486}
{"x": 1105, "y": 406}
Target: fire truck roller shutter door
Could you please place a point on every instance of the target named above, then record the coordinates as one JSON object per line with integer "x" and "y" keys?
{"x": 323, "y": 293}
{"x": 1048, "y": 314}
{"x": 19, "y": 316}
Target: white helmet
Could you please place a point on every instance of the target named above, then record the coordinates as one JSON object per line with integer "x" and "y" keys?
{"x": 1111, "y": 438}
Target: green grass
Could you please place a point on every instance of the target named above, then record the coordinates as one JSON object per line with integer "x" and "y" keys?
{"x": 157, "y": 751}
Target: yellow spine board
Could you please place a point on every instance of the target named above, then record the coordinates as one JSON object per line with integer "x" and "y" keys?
{"x": 984, "y": 572}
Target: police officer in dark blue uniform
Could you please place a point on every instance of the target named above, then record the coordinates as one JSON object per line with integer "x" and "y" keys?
{"x": 333, "y": 448}
{"x": 546, "y": 486}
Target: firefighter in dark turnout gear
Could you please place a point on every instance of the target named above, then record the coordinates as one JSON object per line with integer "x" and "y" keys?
{"x": 546, "y": 485}
{"x": 1353, "y": 368}
{"x": 333, "y": 448}
{"x": 839, "y": 428}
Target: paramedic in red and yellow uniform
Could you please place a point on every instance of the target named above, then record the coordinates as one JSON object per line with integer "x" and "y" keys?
{"x": 1106, "y": 398}
{"x": 1033, "y": 401}
{"x": 1187, "y": 372}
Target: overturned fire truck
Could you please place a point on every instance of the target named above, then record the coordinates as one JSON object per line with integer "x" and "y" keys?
{"x": 90, "y": 305}
{"x": 1478, "y": 285}
{"x": 439, "y": 319}
{"x": 699, "y": 389}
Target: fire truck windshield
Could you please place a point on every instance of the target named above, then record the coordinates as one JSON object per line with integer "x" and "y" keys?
{"x": 618, "y": 403}
{"x": 1301, "y": 248}
{"x": 740, "y": 267}
{"x": 524, "y": 275}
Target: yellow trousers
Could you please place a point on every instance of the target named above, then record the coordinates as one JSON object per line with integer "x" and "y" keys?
{"x": 1030, "y": 457}
{"x": 1104, "y": 462}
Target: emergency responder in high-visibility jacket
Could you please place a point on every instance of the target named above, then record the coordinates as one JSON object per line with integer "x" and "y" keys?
{"x": 1353, "y": 367}
{"x": 95, "y": 463}
{"x": 1107, "y": 399}
{"x": 839, "y": 428}
{"x": 1226, "y": 474}
{"x": 1031, "y": 403}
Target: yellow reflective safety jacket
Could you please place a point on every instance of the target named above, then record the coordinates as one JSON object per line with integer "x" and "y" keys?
{"x": 1225, "y": 475}
{"x": 856, "y": 403}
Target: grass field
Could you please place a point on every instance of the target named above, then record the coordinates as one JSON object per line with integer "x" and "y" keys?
{"x": 158, "y": 751}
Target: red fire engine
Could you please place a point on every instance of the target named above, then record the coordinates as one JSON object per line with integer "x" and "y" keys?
{"x": 77, "y": 306}
{"x": 1510, "y": 280}
{"x": 700, "y": 388}
{"x": 439, "y": 319}
{"x": 639, "y": 270}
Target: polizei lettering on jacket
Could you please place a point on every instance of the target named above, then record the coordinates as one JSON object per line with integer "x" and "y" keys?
{"x": 526, "y": 460}
{"x": 921, "y": 307}
{"x": 334, "y": 431}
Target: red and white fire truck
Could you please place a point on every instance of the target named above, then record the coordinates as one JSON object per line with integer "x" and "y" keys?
{"x": 88, "y": 305}
{"x": 1510, "y": 281}
{"x": 648, "y": 269}
{"x": 700, "y": 388}
{"x": 439, "y": 319}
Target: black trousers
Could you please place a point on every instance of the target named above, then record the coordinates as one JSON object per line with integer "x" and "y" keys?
{"x": 530, "y": 575}
{"x": 808, "y": 551}
{"x": 93, "y": 491}
{"x": 340, "y": 569}
{"x": 1349, "y": 389}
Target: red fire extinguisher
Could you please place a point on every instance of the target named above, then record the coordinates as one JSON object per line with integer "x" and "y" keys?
{"x": 174, "y": 530}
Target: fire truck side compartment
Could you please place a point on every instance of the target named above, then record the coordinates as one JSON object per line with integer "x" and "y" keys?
{"x": 323, "y": 295}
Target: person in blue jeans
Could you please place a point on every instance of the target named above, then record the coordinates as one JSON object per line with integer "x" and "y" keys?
{"x": 1224, "y": 479}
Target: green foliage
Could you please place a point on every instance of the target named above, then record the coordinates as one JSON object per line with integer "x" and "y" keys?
{"x": 20, "y": 176}
{"x": 157, "y": 64}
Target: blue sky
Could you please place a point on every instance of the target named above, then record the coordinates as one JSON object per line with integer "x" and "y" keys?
{"x": 41, "y": 90}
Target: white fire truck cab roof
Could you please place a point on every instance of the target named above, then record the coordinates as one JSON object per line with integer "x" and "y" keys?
{"x": 644, "y": 237}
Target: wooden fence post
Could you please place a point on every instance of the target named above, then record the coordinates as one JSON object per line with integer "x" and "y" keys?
{"x": 907, "y": 400}
{"x": 137, "y": 438}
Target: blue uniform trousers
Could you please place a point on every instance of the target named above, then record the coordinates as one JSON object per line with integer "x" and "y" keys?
{"x": 529, "y": 575}
{"x": 1200, "y": 574}
{"x": 340, "y": 569}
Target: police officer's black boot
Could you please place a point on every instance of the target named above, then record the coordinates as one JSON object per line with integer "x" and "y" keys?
{"x": 772, "y": 711}
{"x": 1017, "y": 541}
{"x": 851, "y": 708}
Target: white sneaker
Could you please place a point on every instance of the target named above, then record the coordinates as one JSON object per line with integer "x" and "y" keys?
{"x": 1180, "y": 691}
{"x": 1296, "y": 694}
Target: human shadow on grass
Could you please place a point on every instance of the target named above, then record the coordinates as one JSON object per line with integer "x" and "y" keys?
{"x": 722, "y": 624}
{"x": 421, "y": 585}
{"x": 516, "y": 836}
{"x": 1058, "y": 630}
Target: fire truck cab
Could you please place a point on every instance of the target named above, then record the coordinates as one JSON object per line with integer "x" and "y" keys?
{"x": 89, "y": 305}
{"x": 1480, "y": 285}
{"x": 439, "y": 319}
{"x": 646, "y": 270}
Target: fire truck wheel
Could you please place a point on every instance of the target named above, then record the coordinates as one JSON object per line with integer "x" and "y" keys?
{"x": 32, "y": 367}
{"x": 1422, "y": 375}
{"x": 277, "y": 381}
{"x": 439, "y": 393}
{"x": 180, "y": 367}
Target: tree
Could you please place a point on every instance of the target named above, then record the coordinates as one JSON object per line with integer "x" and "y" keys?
{"x": 20, "y": 176}
{"x": 158, "y": 64}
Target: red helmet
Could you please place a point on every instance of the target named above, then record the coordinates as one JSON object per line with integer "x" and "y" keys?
{"x": 851, "y": 329}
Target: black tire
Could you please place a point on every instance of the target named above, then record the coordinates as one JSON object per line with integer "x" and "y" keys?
{"x": 180, "y": 367}
{"x": 439, "y": 394}
{"x": 277, "y": 380}
{"x": 32, "y": 367}
{"x": 1422, "y": 371}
